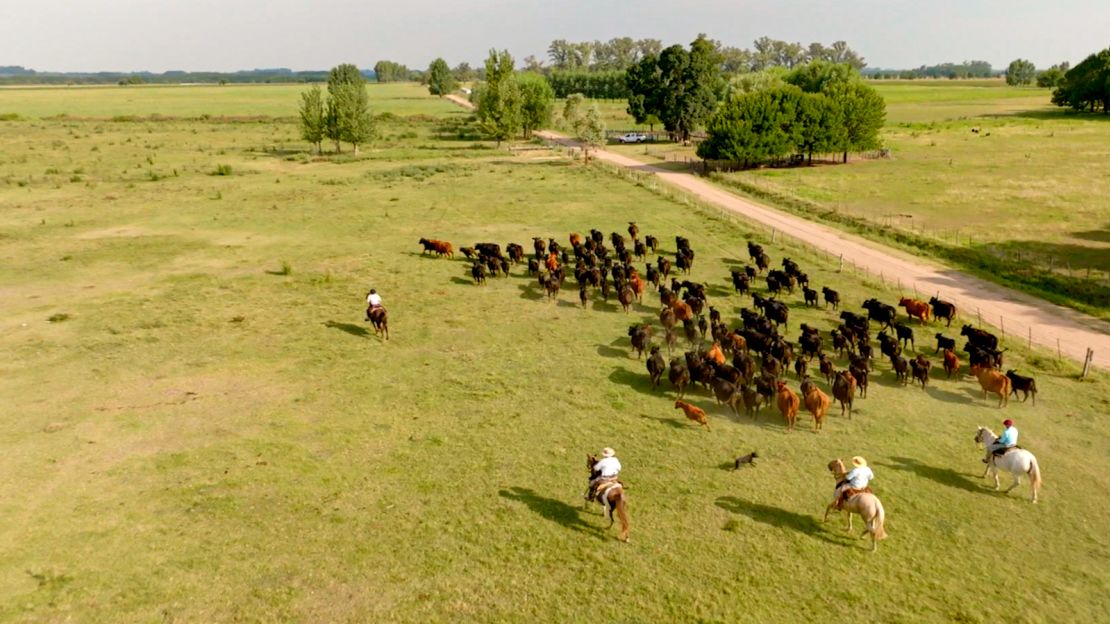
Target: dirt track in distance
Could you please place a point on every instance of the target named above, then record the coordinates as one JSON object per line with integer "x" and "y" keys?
{"x": 1004, "y": 308}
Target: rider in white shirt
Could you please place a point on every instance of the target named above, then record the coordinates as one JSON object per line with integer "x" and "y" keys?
{"x": 373, "y": 302}
{"x": 604, "y": 471}
{"x": 855, "y": 481}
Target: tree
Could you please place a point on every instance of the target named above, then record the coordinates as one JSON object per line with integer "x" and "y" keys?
{"x": 1020, "y": 72}
{"x": 440, "y": 80}
{"x": 336, "y": 116}
{"x": 680, "y": 88}
{"x": 499, "y": 108}
{"x": 463, "y": 72}
{"x": 821, "y": 122}
{"x": 591, "y": 131}
{"x": 816, "y": 76}
{"x": 313, "y": 117}
{"x": 388, "y": 71}
{"x": 572, "y": 111}
{"x": 1087, "y": 85}
{"x": 1053, "y": 76}
{"x": 350, "y": 109}
{"x": 537, "y": 100}
{"x": 864, "y": 112}
{"x": 755, "y": 128}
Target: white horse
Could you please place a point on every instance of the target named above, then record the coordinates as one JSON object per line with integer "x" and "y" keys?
{"x": 1016, "y": 461}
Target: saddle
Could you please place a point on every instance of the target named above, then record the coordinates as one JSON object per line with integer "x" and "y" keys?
{"x": 1003, "y": 451}
{"x": 597, "y": 489}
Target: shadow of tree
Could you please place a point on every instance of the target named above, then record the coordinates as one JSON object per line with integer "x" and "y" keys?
{"x": 774, "y": 516}
{"x": 350, "y": 328}
{"x": 554, "y": 510}
{"x": 1102, "y": 236}
{"x": 943, "y": 476}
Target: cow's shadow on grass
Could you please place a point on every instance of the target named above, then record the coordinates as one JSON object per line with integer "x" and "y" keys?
{"x": 936, "y": 392}
{"x": 527, "y": 291}
{"x": 462, "y": 280}
{"x": 674, "y": 423}
{"x": 639, "y": 382}
{"x": 553, "y": 509}
{"x": 943, "y": 476}
{"x": 776, "y": 517}
{"x": 350, "y": 328}
{"x": 612, "y": 352}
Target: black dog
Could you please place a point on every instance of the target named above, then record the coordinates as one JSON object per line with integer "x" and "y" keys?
{"x": 746, "y": 459}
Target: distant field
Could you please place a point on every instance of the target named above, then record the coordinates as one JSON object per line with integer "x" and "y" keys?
{"x": 1025, "y": 189}
{"x": 197, "y": 100}
{"x": 198, "y": 426}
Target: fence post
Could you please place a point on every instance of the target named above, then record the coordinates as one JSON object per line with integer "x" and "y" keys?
{"x": 1002, "y": 322}
{"x": 1087, "y": 361}
{"x": 1059, "y": 356}
{"x": 1030, "y": 337}
{"x": 979, "y": 316}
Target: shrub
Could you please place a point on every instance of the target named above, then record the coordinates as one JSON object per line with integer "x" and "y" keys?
{"x": 222, "y": 170}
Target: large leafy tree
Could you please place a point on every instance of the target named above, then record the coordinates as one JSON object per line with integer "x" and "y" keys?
{"x": 1087, "y": 85}
{"x": 864, "y": 113}
{"x": 679, "y": 87}
{"x": 1020, "y": 72}
{"x": 337, "y": 115}
{"x": 499, "y": 107}
{"x": 313, "y": 117}
{"x": 440, "y": 79}
{"x": 350, "y": 109}
{"x": 537, "y": 100}
{"x": 389, "y": 71}
{"x": 591, "y": 130}
{"x": 756, "y": 127}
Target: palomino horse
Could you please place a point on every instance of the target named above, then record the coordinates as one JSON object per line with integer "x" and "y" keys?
{"x": 1016, "y": 461}
{"x": 380, "y": 318}
{"x": 612, "y": 497}
{"x": 866, "y": 504}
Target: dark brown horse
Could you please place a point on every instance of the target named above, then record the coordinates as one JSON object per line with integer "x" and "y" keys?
{"x": 380, "y": 318}
{"x": 612, "y": 497}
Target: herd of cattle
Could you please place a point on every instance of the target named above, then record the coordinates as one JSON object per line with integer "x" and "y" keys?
{"x": 728, "y": 366}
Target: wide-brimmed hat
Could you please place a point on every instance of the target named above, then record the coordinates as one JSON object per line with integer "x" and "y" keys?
{"x": 1007, "y": 422}
{"x": 608, "y": 452}
{"x": 859, "y": 461}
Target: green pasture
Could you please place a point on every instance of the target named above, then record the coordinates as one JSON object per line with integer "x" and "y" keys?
{"x": 207, "y": 430}
{"x": 250, "y": 101}
{"x": 992, "y": 178}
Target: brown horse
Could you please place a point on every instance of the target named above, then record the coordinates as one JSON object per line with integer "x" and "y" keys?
{"x": 612, "y": 497}
{"x": 864, "y": 503}
{"x": 380, "y": 318}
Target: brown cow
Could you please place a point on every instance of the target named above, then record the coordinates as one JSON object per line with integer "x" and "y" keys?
{"x": 817, "y": 403}
{"x": 552, "y": 262}
{"x": 575, "y": 239}
{"x": 915, "y": 309}
{"x": 951, "y": 363}
{"x": 788, "y": 404}
{"x": 682, "y": 311}
{"x": 716, "y": 354}
{"x": 694, "y": 413}
{"x": 844, "y": 390}
{"x": 991, "y": 380}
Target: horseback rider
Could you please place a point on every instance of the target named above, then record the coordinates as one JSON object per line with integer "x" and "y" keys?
{"x": 854, "y": 482}
{"x": 373, "y": 302}
{"x": 1005, "y": 442}
{"x": 605, "y": 471}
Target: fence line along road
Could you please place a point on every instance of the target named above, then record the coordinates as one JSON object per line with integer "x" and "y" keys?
{"x": 1024, "y": 318}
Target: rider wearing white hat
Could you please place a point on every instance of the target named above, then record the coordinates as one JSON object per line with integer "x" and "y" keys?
{"x": 604, "y": 471}
{"x": 855, "y": 481}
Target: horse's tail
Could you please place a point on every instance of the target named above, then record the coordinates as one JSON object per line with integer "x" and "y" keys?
{"x": 1034, "y": 476}
{"x": 622, "y": 513}
{"x": 877, "y": 529}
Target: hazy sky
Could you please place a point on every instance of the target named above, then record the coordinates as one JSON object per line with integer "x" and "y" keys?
{"x": 157, "y": 35}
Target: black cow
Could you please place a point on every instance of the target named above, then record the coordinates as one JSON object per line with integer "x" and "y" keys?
{"x": 1027, "y": 385}
{"x": 831, "y": 296}
{"x": 943, "y": 310}
{"x": 944, "y": 342}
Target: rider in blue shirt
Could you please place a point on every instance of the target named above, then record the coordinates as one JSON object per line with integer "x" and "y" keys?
{"x": 1006, "y": 441}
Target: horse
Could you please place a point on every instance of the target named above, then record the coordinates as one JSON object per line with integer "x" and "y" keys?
{"x": 1016, "y": 461}
{"x": 380, "y": 318}
{"x": 612, "y": 497}
{"x": 866, "y": 504}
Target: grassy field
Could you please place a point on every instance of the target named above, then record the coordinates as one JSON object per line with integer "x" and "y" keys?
{"x": 200, "y": 434}
{"x": 988, "y": 178}
{"x": 280, "y": 100}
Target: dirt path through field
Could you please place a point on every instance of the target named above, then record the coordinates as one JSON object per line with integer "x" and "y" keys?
{"x": 1052, "y": 326}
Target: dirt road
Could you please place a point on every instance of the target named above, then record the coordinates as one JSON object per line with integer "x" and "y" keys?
{"x": 1021, "y": 317}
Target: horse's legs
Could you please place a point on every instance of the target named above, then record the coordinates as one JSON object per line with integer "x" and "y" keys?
{"x": 1017, "y": 482}
{"x": 996, "y": 484}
